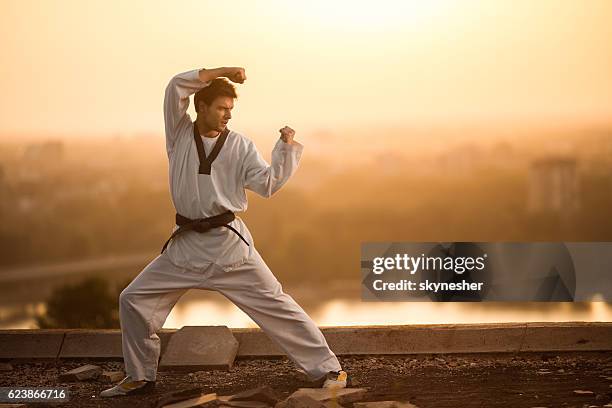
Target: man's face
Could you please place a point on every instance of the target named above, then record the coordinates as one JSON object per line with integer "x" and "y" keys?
{"x": 218, "y": 113}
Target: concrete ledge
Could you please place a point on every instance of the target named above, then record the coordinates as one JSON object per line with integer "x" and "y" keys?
{"x": 44, "y": 344}
{"x": 425, "y": 339}
{"x": 91, "y": 343}
{"x": 256, "y": 343}
{"x": 355, "y": 340}
{"x": 79, "y": 343}
{"x": 446, "y": 338}
{"x": 567, "y": 337}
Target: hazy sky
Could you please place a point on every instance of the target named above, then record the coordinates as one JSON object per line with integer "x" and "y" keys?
{"x": 86, "y": 67}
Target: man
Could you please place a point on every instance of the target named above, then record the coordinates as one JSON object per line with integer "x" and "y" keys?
{"x": 210, "y": 248}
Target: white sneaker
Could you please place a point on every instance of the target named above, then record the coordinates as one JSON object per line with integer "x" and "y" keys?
{"x": 129, "y": 387}
{"x": 336, "y": 379}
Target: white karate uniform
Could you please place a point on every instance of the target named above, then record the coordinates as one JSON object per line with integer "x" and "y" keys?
{"x": 217, "y": 259}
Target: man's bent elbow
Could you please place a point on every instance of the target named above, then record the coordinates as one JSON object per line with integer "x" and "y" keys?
{"x": 267, "y": 191}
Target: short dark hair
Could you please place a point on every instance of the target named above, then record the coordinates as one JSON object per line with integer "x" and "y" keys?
{"x": 218, "y": 87}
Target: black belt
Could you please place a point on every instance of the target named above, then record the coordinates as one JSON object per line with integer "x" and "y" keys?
{"x": 203, "y": 225}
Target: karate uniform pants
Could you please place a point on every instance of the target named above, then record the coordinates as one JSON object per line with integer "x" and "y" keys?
{"x": 146, "y": 302}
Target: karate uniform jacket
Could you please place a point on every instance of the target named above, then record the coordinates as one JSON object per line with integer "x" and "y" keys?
{"x": 238, "y": 167}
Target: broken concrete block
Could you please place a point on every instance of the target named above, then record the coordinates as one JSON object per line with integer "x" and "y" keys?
{"x": 262, "y": 394}
{"x": 86, "y": 372}
{"x": 384, "y": 404}
{"x": 340, "y": 395}
{"x": 194, "y": 397}
{"x": 113, "y": 376}
{"x": 196, "y": 348}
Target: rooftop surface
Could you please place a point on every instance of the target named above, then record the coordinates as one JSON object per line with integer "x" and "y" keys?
{"x": 565, "y": 364}
{"x": 462, "y": 380}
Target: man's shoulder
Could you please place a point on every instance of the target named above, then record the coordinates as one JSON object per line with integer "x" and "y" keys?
{"x": 240, "y": 139}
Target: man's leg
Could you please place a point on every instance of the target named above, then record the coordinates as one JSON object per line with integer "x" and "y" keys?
{"x": 254, "y": 289}
{"x": 144, "y": 306}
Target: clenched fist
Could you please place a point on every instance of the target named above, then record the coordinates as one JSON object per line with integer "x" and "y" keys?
{"x": 236, "y": 74}
{"x": 287, "y": 134}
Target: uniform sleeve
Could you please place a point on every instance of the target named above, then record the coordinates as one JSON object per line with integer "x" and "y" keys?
{"x": 176, "y": 102}
{"x": 266, "y": 179}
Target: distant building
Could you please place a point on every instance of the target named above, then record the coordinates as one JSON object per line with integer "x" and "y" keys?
{"x": 553, "y": 186}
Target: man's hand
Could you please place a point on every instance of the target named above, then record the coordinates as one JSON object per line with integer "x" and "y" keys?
{"x": 235, "y": 74}
{"x": 287, "y": 134}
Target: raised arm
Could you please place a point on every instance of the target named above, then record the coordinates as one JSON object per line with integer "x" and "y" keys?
{"x": 266, "y": 179}
{"x": 183, "y": 85}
